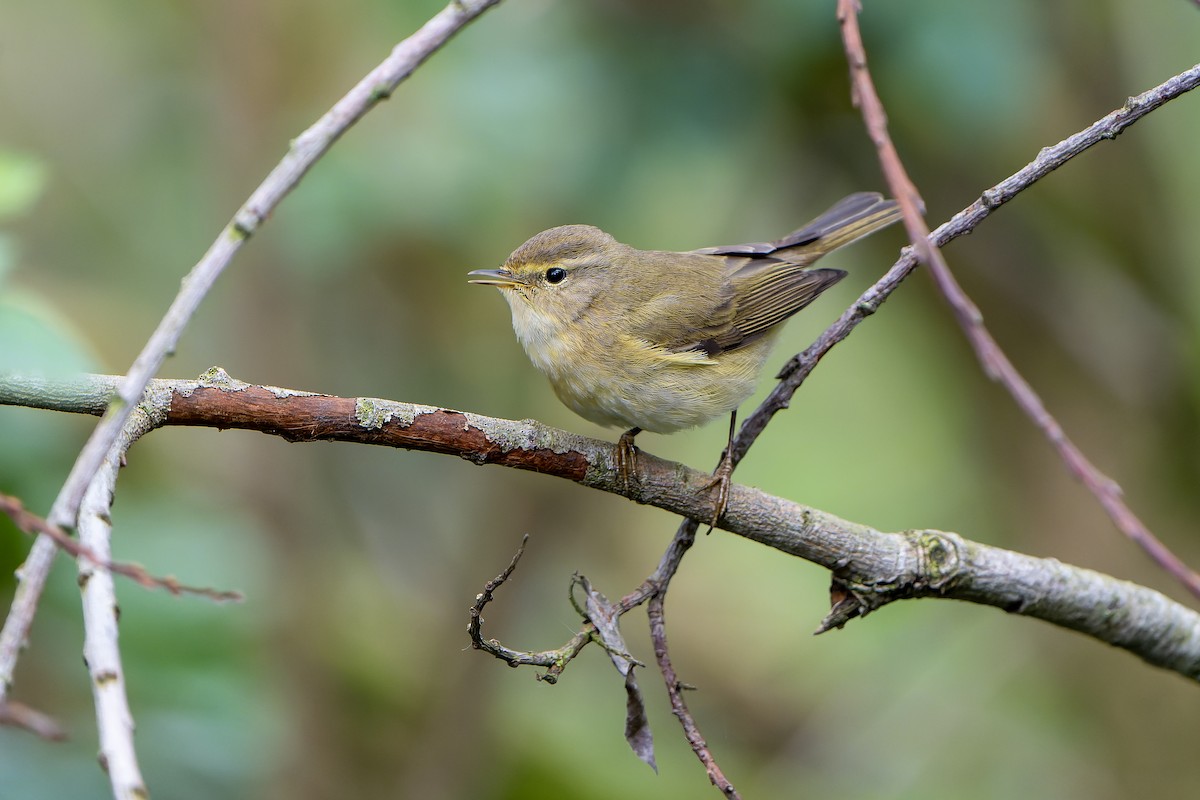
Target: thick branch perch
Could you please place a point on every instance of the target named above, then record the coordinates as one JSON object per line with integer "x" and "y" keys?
{"x": 870, "y": 568}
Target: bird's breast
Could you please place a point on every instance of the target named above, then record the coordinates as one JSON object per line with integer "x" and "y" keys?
{"x": 621, "y": 381}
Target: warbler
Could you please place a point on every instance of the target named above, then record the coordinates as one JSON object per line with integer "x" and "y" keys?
{"x": 658, "y": 341}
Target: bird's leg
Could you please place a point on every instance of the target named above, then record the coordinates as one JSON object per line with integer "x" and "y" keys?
{"x": 627, "y": 456}
{"x": 721, "y": 476}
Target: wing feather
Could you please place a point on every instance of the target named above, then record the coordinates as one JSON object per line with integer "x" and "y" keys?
{"x": 758, "y": 286}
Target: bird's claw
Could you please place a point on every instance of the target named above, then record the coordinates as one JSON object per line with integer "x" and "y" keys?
{"x": 720, "y": 481}
{"x": 627, "y": 458}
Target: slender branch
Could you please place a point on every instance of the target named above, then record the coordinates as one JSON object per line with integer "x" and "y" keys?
{"x": 19, "y": 715}
{"x": 658, "y": 634}
{"x": 873, "y": 567}
{"x": 101, "y": 653}
{"x": 33, "y": 524}
{"x": 304, "y": 152}
{"x": 555, "y": 660}
{"x": 656, "y": 585}
{"x": 794, "y": 373}
{"x": 995, "y": 363}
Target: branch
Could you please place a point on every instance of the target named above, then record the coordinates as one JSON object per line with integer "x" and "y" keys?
{"x": 800, "y": 366}
{"x": 794, "y": 373}
{"x": 995, "y": 363}
{"x": 33, "y": 524}
{"x": 19, "y": 715}
{"x": 101, "y": 653}
{"x": 555, "y": 660}
{"x": 870, "y": 568}
{"x": 304, "y": 152}
{"x": 658, "y": 634}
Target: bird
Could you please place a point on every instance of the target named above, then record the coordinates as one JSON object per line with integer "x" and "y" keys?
{"x": 661, "y": 341}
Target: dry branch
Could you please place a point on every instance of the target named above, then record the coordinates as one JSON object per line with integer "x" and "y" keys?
{"x": 870, "y": 568}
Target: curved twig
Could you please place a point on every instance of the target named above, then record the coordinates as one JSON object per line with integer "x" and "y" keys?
{"x": 995, "y": 363}
{"x": 554, "y": 660}
{"x": 304, "y": 152}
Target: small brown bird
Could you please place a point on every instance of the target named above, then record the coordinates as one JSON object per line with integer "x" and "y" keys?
{"x": 661, "y": 341}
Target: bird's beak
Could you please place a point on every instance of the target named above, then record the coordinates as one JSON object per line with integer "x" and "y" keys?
{"x": 496, "y": 277}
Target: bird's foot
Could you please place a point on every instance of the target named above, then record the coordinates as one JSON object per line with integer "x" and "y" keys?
{"x": 720, "y": 481}
{"x": 627, "y": 458}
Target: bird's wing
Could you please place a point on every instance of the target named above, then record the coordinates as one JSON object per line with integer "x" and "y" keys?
{"x": 753, "y": 296}
{"x": 767, "y": 292}
{"x": 761, "y": 283}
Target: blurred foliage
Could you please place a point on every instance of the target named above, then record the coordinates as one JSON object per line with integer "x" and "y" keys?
{"x": 124, "y": 148}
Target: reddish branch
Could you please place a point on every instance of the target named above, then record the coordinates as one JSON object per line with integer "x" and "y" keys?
{"x": 301, "y": 417}
{"x": 31, "y": 523}
{"x": 995, "y": 363}
{"x": 19, "y": 715}
{"x": 658, "y": 633}
{"x": 874, "y": 568}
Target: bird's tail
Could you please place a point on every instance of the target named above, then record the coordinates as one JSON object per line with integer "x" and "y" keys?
{"x": 848, "y": 220}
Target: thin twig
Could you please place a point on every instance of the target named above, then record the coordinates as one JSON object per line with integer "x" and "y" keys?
{"x": 794, "y": 373}
{"x": 19, "y": 715}
{"x": 555, "y": 660}
{"x": 304, "y": 152}
{"x": 657, "y": 585}
{"x": 658, "y": 635}
{"x": 31, "y": 523}
{"x": 101, "y": 652}
{"x": 993, "y": 360}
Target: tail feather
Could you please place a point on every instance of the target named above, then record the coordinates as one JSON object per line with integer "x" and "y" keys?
{"x": 849, "y": 220}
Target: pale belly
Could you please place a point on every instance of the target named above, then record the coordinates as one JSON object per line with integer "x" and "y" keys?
{"x": 661, "y": 398}
{"x": 616, "y": 382}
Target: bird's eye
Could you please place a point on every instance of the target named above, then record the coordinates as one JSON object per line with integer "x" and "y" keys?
{"x": 555, "y": 275}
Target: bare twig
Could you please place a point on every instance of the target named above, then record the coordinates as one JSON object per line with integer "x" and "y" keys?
{"x": 995, "y": 363}
{"x": 655, "y": 588}
{"x": 101, "y": 652}
{"x": 555, "y": 660}
{"x": 304, "y": 152}
{"x": 19, "y": 715}
{"x": 658, "y": 634}
{"x": 798, "y": 368}
{"x": 31, "y": 523}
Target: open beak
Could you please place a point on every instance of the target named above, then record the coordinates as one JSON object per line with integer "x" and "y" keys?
{"x": 495, "y": 277}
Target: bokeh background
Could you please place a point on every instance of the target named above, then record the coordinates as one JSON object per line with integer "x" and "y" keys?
{"x": 130, "y": 133}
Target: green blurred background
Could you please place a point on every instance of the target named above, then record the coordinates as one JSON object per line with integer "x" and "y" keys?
{"x": 128, "y": 136}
